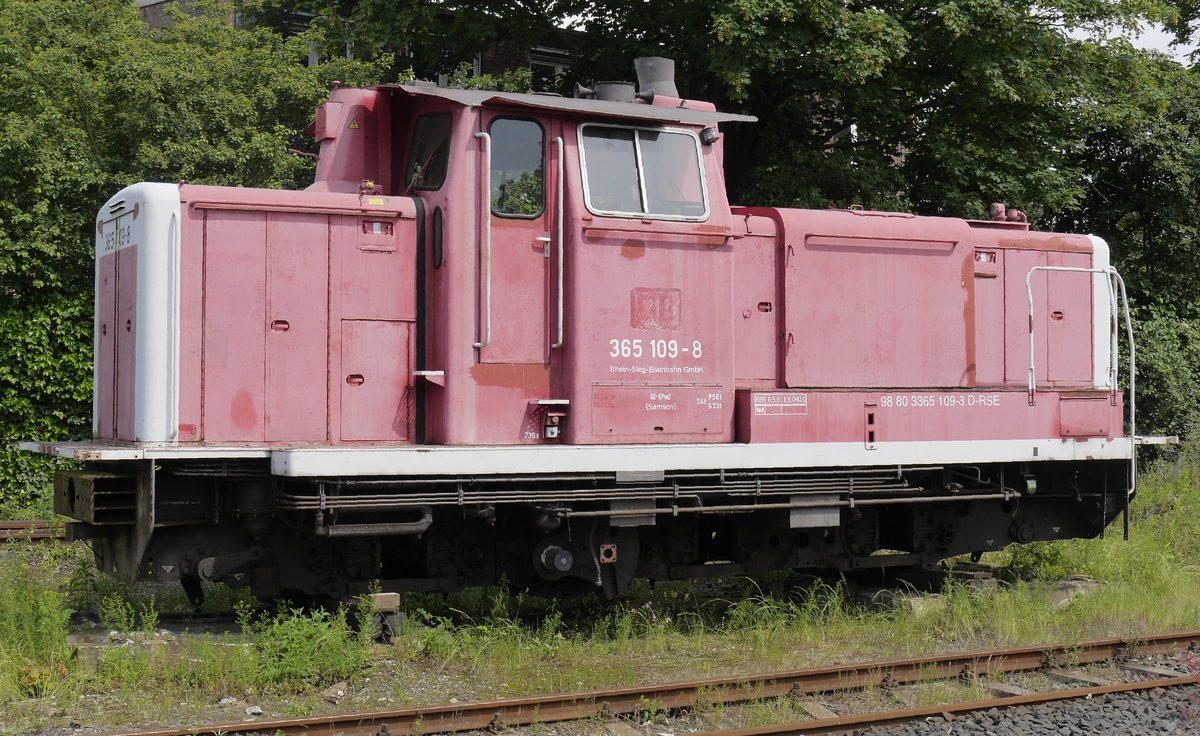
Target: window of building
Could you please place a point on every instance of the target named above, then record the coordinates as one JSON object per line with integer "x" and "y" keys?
{"x": 548, "y": 67}
{"x": 429, "y": 153}
{"x": 643, "y": 172}
{"x": 516, "y": 176}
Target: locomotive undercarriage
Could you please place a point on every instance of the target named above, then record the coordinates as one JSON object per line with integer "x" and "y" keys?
{"x": 232, "y": 522}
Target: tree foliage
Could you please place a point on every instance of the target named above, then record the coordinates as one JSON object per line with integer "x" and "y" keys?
{"x": 978, "y": 100}
{"x": 1139, "y": 168}
{"x": 91, "y": 100}
{"x": 935, "y": 106}
{"x": 1141, "y": 171}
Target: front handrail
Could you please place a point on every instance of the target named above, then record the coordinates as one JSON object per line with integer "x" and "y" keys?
{"x": 487, "y": 237}
{"x": 558, "y": 227}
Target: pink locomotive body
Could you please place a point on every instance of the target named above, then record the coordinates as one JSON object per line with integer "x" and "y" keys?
{"x": 522, "y": 335}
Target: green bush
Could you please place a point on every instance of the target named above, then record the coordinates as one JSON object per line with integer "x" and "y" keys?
{"x": 297, "y": 647}
{"x": 1168, "y": 384}
{"x": 34, "y": 653}
{"x": 1039, "y": 560}
{"x": 119, "y": 614}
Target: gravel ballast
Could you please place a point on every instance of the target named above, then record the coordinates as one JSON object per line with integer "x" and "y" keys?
{"x": 1152, "y": 712}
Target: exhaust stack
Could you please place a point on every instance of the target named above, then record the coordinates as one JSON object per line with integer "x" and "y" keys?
{"x": 656, "y": 76}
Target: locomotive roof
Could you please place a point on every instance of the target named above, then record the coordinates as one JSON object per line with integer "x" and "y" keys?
{"x": 600, "y": 108}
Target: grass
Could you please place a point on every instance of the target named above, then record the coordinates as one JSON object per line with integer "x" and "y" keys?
{"x": 45, "y": 672}
{"x": 512, "y": 645}
{"x": 315, "y": 648}
{"x": 490, "y": 642}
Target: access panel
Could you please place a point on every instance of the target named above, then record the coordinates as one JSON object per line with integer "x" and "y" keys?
{"x": 377, "y": 402}
{"x": 297, "y": 326}
{"x": 869, "y": 310}
{"x": 1062, "y": 318}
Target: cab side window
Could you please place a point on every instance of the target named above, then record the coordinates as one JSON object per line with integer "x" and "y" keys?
{"x": 429, "y": 153}
{"x": 517, "y": 180}
{"x": 643, "y": 172}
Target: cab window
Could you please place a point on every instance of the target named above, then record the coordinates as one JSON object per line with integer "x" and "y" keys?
{"x": 429, "y": 152}
{"x": 516, "y": 178}
{"x": 643, "y": 172}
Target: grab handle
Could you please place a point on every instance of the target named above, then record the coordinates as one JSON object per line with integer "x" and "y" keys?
{"x": 558, "y": 227}
{"x": 487, "y": 240}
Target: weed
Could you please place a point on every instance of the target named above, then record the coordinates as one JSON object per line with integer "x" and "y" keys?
{"x": 120, "y": 614}
{"x": 34, "y": 654}
{"x": 297, "y": 647}
{"x": 711, "y": 707}
{"x": 1040, "y": 561}
{"x": 298, "y": 709}
{"x": 770, "y": 711}
{"x": 37, "y": 680}
{"x": 650, "y": 711}
{"x": 941, "y": 692}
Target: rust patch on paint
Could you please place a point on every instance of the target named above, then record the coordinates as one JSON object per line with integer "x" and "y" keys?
{"x": 633, "y": 249}
{"x": 532, "y": 377}
{"x": 241, "y": 410}
{"x": 1059, "y": 243}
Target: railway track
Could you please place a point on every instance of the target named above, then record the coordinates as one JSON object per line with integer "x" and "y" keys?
{"x": 497, "y": 715}
{"x": 31, "y": 530}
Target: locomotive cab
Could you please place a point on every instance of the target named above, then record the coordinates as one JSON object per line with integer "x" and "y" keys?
{"x": 528, "y": 199}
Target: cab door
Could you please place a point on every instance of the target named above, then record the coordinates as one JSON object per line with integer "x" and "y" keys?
{"x": 517, "y": 294}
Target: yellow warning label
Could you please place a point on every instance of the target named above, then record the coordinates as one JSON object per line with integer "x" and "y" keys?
{"x": 376, "y": 200}
{"x": 354, "y": 124}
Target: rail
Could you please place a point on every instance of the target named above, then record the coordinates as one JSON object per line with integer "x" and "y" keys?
{"x": 38, "y": 529}
{"x": 508, "y": 712}
{"x": 853, "y": 724}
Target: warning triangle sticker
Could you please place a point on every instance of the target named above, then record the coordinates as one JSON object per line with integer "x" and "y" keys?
{"x": 354, "y": 124}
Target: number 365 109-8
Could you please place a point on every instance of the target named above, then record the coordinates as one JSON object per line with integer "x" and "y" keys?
{"x": 636, "y": 347}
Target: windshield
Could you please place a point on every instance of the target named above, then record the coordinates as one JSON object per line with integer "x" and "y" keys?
{"x": 643, "y": 172}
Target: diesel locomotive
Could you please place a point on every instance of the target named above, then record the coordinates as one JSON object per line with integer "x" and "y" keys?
{"x": 527, "y": 337}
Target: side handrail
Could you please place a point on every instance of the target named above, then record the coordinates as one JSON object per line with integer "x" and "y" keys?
{"x": 1116, "y": 286}
{"x": 558, "y": 226}
{"x": 487, "y": 236}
